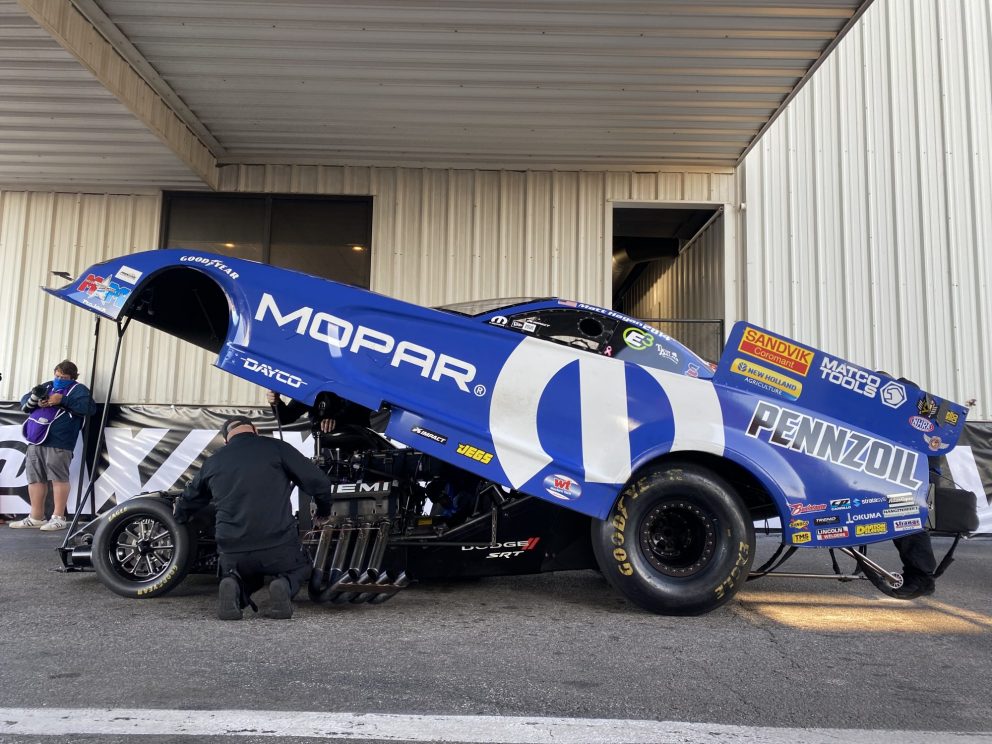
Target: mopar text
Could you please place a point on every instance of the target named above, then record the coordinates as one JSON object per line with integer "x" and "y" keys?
{"x": 339, "y": 333}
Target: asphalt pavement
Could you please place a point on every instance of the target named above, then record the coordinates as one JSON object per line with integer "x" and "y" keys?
{"x": 786, "y": 653}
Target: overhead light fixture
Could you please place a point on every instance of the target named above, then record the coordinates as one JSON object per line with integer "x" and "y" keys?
{"x": 228, "y": 245}
{"x": 357, "y": 247}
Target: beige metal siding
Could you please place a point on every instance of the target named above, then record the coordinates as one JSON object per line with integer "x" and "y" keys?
{"x": 443, "y": 235}
{"x": 45, "y": 232}
{"x": 867, "y": 212}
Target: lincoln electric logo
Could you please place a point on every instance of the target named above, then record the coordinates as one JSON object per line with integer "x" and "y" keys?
{"x": 338, "y": 333}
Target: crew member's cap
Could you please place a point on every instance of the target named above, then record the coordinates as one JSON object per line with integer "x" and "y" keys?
{"x": 233, "y": 423}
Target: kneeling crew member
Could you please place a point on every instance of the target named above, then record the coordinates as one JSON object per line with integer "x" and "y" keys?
{"x": 250, "y": 480}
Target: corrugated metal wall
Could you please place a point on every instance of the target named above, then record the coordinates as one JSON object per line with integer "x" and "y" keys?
{"x": 438, "y": 236}
{"x": 868, "y": 202}
{"x": 449, "y": 235}
{"x": 688, "y": 287}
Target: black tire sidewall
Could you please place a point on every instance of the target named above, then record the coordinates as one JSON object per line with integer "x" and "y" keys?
{"x": 138, "y": 508}
{"x": 622, "y": 560}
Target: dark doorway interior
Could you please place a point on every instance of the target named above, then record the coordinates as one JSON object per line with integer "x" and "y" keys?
{"x": 642, "y": 236}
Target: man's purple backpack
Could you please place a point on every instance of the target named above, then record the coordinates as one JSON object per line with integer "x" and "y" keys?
{"x": 39, "y": 422}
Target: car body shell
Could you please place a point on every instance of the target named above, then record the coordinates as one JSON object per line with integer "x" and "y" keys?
{"x": 841, "y": 451}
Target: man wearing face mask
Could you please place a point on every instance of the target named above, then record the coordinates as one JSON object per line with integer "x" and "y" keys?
{"x": 56, "y": 410}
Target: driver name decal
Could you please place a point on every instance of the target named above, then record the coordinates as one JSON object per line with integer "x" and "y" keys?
{"x": 833, "y": 443}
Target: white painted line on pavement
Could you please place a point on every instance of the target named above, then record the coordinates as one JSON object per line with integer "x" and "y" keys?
{"x": 415, "y": 728}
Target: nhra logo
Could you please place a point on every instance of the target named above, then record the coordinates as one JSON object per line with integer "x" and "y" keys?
{"x": 921, "y": 423}
{"x": 562, "y": 487}
{"x": 337, "y": 333}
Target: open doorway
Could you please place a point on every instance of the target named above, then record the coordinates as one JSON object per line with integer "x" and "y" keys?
{"x": 668, "y": 269}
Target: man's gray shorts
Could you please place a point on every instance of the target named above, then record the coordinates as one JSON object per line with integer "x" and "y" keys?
{"x": 43, "y": 464}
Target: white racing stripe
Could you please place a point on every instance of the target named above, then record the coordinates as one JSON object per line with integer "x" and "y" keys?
{"x": 475, "y": 729}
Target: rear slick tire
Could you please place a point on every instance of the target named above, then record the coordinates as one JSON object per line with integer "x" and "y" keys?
{"x": 678, "y": 541}
{"x": 140, "y": 551}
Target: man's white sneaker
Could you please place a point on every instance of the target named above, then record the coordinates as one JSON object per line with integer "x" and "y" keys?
{"x": 54, "y": 524}
{"x": 27, "y": 522}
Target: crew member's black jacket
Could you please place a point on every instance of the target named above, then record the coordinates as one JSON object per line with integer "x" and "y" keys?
{"x": 342, "y": 411}
{"x": 250, "y": 480}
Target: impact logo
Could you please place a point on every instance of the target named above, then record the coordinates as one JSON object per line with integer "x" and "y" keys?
{"x": 273, "y": 373}
{"x": 833, "y": 443}
{"x": 562, "y": 487}
{"x": 103, "y": 289}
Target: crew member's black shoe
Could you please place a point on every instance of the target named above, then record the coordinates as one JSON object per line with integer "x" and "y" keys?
{"x": 229, "y": 599}
{"x": 913, "y": 586}
{"x": 280, "y": 603}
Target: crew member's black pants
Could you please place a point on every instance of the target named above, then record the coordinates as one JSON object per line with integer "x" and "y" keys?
{"x": 287, "y": 561}
{"x": 916, "y": 553}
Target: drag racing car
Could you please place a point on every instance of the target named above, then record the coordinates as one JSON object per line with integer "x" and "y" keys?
{"x": 528, "y": 435}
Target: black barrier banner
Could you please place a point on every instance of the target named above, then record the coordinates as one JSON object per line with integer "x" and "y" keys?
{"x": 146, "y": 448}
{"x": 159, "y": 447}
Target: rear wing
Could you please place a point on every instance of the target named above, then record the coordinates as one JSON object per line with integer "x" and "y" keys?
{"x": 756, "y": 360}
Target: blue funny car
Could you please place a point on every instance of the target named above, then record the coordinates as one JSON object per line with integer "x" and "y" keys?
{"x": 556, "y": 435}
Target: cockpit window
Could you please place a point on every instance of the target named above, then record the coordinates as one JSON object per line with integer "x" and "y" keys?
{"x": 480, "y": 307}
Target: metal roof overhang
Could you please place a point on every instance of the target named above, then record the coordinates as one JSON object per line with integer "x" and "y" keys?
{"x": 140, "y": 92}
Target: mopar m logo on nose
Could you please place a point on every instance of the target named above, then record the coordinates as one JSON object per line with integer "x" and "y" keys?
{"x": 342, "y": 334}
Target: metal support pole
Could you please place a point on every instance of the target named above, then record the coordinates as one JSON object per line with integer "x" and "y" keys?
{"x": 90, "y": 488}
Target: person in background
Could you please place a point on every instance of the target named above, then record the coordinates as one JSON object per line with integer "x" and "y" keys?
{"x": 329, "y": 413}
{"x": 250, "y": 480}
{"x": 56, "y": 410}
